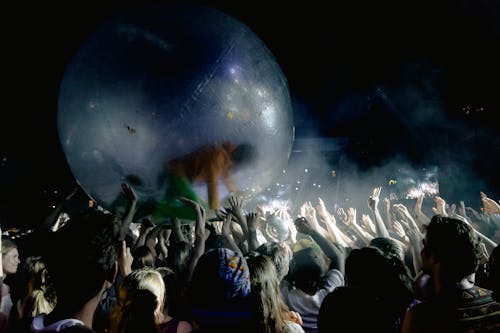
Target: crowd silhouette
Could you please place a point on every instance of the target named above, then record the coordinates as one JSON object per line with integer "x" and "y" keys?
{"x": 432, "y": 267}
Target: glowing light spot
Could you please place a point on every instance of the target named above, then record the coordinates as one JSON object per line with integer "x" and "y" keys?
{"x": 306, "y": 170}
{"x": 230, "y": 115}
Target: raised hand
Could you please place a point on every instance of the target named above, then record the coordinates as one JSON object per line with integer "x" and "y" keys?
{"x": 252, "y": 221}
{"x": 373, "y": 200}
{"x": 368, "y": 224}
{"x": 304, "y": 226}
{"x": 342, "y": 215}
{"x": 236, "y": 208}
{"x": 322, "y": 211}
{"x": 490, "y": 206}
{"x": 125, "y": 260}
{"x": 129, "y": 193}
{"x": 440, "y": 208}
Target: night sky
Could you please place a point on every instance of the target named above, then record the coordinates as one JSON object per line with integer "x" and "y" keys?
{"x": 416, "y": 79}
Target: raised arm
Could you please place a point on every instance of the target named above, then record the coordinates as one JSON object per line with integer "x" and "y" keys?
{"x": 336, "y": 256}
{"x": 420, "y": 217}
{"x": 252, "y": 221}
{"x": 226, "y": 232}
{"x": 131, "y": 197}
{"x": 200, "y": 233}
{"x": 373, "y": 201}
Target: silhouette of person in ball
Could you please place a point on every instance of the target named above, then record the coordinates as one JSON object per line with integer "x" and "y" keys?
{"x": 207, "y": 164}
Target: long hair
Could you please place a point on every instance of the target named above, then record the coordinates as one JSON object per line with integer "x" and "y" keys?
{"x": 139, "y": 307}
{"x": 39, "y": 296}
{"x": 266, "y": 293}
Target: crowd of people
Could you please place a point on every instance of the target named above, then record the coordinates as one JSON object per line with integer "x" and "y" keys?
{"x": 394, "y": 270}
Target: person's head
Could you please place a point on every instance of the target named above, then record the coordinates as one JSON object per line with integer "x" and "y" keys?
{"x": 10, "y": 256}
{"x": 307, "y": 269}
{"x": 281, "y": 255}
{"x": 178, "y": 255}
{"x": 82, "y": 257}
{"x": 243, "y": 154}
{"x": 220, "y": 290}
{"x": 34, "y": 289}
{"x": 139, "y": 307}
{"x": 451, "y": 245}
{"x": 384, "y": 277}
{"x": 388, "y": 246}
{"x": 143, "y": 257}
{"x": 265, "y": 289}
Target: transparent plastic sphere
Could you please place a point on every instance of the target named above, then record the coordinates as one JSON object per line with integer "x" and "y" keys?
{"x": 157, "y": 82}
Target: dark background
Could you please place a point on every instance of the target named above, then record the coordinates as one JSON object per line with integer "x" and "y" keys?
{"x": 418, "y": 80}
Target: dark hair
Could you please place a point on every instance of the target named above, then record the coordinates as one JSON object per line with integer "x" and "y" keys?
{"x": 91, "y": 239}
{"x": 143, "y": 257}
{"x": 454, "y": 244}
{"x": 388, "y": 246}
{"x": 307, "y": 270}
{"x": 244, "y": 153}
{"x": 385, "y": 277}
{"x": 178, "y": 257}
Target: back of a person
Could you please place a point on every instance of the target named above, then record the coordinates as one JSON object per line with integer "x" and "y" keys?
{"x": 473, "y": 311}
{"x": 308, "y": 286}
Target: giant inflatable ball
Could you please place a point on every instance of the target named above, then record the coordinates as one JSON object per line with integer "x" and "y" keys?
{"x": 159, "y": 82}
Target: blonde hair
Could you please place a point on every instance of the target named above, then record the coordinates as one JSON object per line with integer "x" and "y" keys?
{"x": 7, "y": 245}
{"x": 140, "y": 302}
{"x": 41, "y": 297}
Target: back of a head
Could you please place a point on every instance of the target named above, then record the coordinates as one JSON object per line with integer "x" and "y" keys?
{"x": 388, "y": 246}
{"x": 178, "y": 256}
{"x": 308, "y": 268}
{"x": 454, "y": 244}
{"x": 265, "y": 289}
{"x": 82, "y": 255}
{"x": 139, "y": 307}
{"x": 280, "y": 256}
{"x": 383, "y": 275}
{"x": 220, "y": 290}
{"x": 33, "y": 277}
{"x": 143, "y": 257}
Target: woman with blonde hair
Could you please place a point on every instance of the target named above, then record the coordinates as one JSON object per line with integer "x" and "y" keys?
{"x": 139, "y": 307}
{"x": 273, "y": 314}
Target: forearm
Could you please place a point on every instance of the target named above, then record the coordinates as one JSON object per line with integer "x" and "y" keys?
{"x": 127, "y": 219}
{"x": 379, "y": 224}
{"x": 253, "y": 242}
{"x": 334, "y": 254}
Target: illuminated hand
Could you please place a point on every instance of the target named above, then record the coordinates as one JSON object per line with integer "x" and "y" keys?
{"x": 440, "y": 208}
{"x": 490, "y": 206}
{"x": 323, "y": 213}
{"x": 418, "y": 203}
{"x": 342, "y": 215}
{"x": 374, "y": 198}
{"x": 368, "y": 223}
